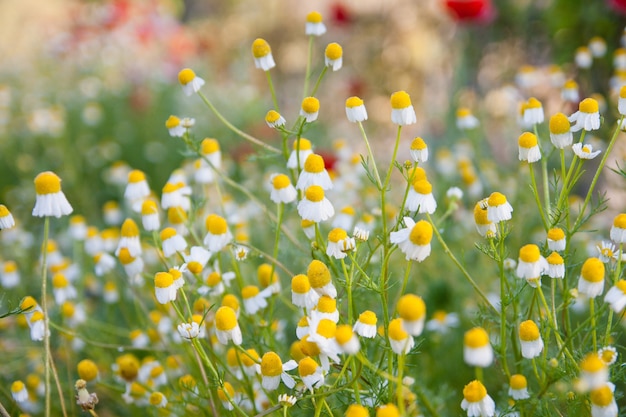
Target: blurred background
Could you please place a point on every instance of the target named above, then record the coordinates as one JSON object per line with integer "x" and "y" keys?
{"x": 87, "y": 84}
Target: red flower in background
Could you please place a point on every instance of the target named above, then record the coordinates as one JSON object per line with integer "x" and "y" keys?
{"x": 617, "y": 5}
{"x": 479, "y": 11}
{"x": 340, "y": 14}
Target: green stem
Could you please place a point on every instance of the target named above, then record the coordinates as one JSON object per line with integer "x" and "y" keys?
{"x": 44, "y": 307}
{"x": 371, "y": 156}
{"x": 618, "y": 272}
{"x": 272, "y": 90}
{"x": 400, "y": 385}
{"x": 307, "y": 73}
{"x": 319, "y": 81}
{"x": 592, "y": 316}
{"x": 544, "y": 174}
{"x": 536, "y": 194}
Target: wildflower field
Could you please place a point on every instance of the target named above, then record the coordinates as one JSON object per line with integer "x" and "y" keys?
{"x": 348, "y": 208}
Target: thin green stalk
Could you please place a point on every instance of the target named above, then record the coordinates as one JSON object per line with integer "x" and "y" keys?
{"x": 348, "y": 277}
{"x": 592, "y": 316}
{"x": 553, "y": 299}
{"x": 319, "y": 81}
{"x": 544, "y": 174}
{"x": 618, "y": 272}
{"x": 503, "y": 297}
{"x": 232, "y": 127}
{"x": 400, "y": 385}
{"x": 272, "y": 90}
{"x": 307, "y": 73}
{"x": 478, "y": 373}
{"x": 371, "y": 156}
{"x": 44, "y": 307}
{"x": 536, "y": 194}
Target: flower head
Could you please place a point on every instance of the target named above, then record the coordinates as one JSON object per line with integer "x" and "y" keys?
{"x": 50, "y": 200}
{"x": 498, "y": 208}
{"x": 419, "y": 150}
{"x": 274, "y": 119}
{"x": 483, "y": 225}
{"x": 315, "y": 206}
{"x": 320, "y": 280}
{"x": 477, "y": 350}
{"x": 175, "y": 127}
{"x": 365, "y": 326}
{"x": 603, "y": 401}
{"x": 402, "y": 112}
{"x": 310, "y": 373}
{"x": 334, "y": 56}
{"x": 476, "y": 401}
{"x": 616, "y": 296}
{"x": 556, "y": 239}
{"x": 401, "y": 341}
{"x": 556, "y": 265}
{"x": 530, "y": 339}
{"x": 6, "y": 218}
{"x": 591, "y": 281}
{"x": 262, "y": 54}
{"x": 226, "y": 326}
{"x": 310, "y": 109}
{"x": 190, "y": 82}
{"x": 302, "y": 295}
{"x": 420, "y": 197}
{"x": 414, "y": 239}
{"x": 530, "y": 263}
{"x": 529, "y": 148}
{"x": 314, "y": 25}
{"x": 412, "y": 309}
{"x": 301, "y": 151}
{"x": 218, "y": 235}
{"x": 560, "y": 133}
{"x": 587, "y": 117}
{"x": 282, "y": 189}
{"x": 618, "y": 229}
{"x": 273, "y": 370}
{"x": 314, "y": 173}
{"x": 594, "y": 371}
{"x": 465, "y": 120}
{"x": 518, "y": 387}
{"x": 585, "y": 151}
{"x": 339, "y": 243}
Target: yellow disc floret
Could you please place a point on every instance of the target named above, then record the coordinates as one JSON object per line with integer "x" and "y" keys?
{"x": 167, "y": 233}
{"x": 60, "y": 281}
{"x": 337, "y": 235}
{"x": 527, "y": 140}
{"x": 593, "y": 270}
{"x": 87, "y": 370}
{"x": 422, "y": 233}
{"x": 592, "y": 363}
{"x": 480, "y": 215}
{"x": 314, "y": 164}
{"x": 271, "y": 365}
{"x": 620, "y": 221}
{"x": 602, "y": 396}
{"x": 172, "y": 122}
{"x": 334, "y": 51}
{"x": 17, "y": 386}
{"x": 225, "y": 319}
{"x": 125, "y": 257}
{"x": 621, "y": 284}
{"x": 215, "y": 224}
{"x": 496, "y": 199}
{"x": 400, "y": 100}
{"x": 47, "y": 183}
{"x": 326, "y": 328}
{"x": 529, "y": 253}
{"x": 314, "y": 193}
{"x": 518, "y": 381}
{"x": 163, "y": 279}
{"x": 353, "y": 102}
{"x": 533, "y": 103}
{"x": 249, "y": 291}
{"x": 418, "y": 144}
{"x": 422, "y": 187}
{"x": 128, "y": 366}
{"x": 411, "y": 307}
{"x": 260, "y": 48}
{"x": 300, "y": 284}
{"x": 476, "y": 338}
{"x": 555, "y": 259}
{"x": 556, "y": 233}
{"x": 310, "y": 105}
{"x": 228, "y": 389}
{"x": 209, "y": 146}
{"x": 326, "y": 304}
{"x": 307, "y": 366}
{"x": 281, "y": 181}
{"x": 314, "y": 17}
{"x": 343, "y": 334}
{"x": 149, "y": 207}
{"x": 318, "y": 274}
{"x": 528, "y": 331}
{"x": 304, "y": 145}
{"x": 136, "y": 175}
{"x": 474, "y": 391}
{"x": 588, "y": 105}
{"x": 559, "y": 124}
{"x": 396, "y": 330}
{"x": 129, "y": 228}
{"x": 272, "y": 116}
{"x": 185, "y": 76}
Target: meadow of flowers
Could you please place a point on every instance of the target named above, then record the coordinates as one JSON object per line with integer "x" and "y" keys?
{"x": 305, "y": 253}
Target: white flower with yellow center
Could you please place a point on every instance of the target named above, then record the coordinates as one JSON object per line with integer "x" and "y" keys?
{"x": 254, "y": 299}
{"x": 326, "y": 308}
{"x": 412, "y": 310}
{"x": 528, "y": 148}
{"x": 164, "y": 288}
{"x": 442, "y": 321}
{"x": 556, "y": 239}
{"x": 594, "y": 372}
{"x": 400, "y": 340}
{"x": 339, "y": 243}
{"x": 226, "y": 326}
{"x": 587, "y": 117}
{"x": 176, "y": 194}
{"x": 310, "y": 109}
{"x": 175, "y": 126}
{"x": 465, "y": 120}
{"x": 262, "y": 54}
{"x": 618, "y": 229}
{"x": 603, "y": 401}
{"x": 190, "y": 82}
{"x": 498, "y": 208}
{"x": 365, "y": 326}
{"x": 556, "y": 266}
{"x": 484, "y": 227}
{"x": 133, "y": 266}
{"x": 314, "y": 25}
{"x": 37, "y": 326}
{"x": 302, "y": 295}
{"x": 10, "y": 274}
{"x": 402, "y": 112}
{"x": 315, "y": 206}
{"x": 62, "y": 289}
{"x": 608, "y": 354}
{"x": 583, "y": 57}
{"x": 606, "y": 251}
{"x": 320, "y": 280}
{"x": 273, "y": 370}
{"x": 150, "y": 216}
{"x": 560, "y": 133}
{"x": 218, "y": 235}
{"x": 299, "y": 154}
{"x": 419, "y": 150}
{"x": 310, "y": 373}
{"x": 533, "y": 112}
{"x": 137, "y": 189}
{"x": 355, "y": 110}
{"x": 531, "y": 342}
{"x": 585, "y": 150}
{"x": 314, "y": 173}
{"x": 591, "y": 281}
{"x": 347, "y": 339}
{"x": 282, "y": 189}
{"x": 50, "y": 200}
{"x": 476, "y": 401}
{"x": 6, "y": 218}
{"x": 616, "y": 296}
{"x": 274, "y": 119}
{"x": 302, "y": 328}
{"x": 333, "y": 56}
{"x": 189, "y": 331}
{"x": 518, "y": 387}
{"x": 19, "y": 392}
{"x": 477, "y": 350}
{"x": 420, "y": 197}
{"x": 172, "y": 242}
{"x": 414, "y": 239}
{"x": 197, "y": 259}
{"x": 530, "y": 264}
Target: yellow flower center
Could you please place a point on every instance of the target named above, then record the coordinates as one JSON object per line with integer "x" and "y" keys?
{"x": 622, "y": 92}
{"x": 225, "y": 319}
{"x": 300, "y": 284}
{"x": 400, "y": 100}
{"x": 570, "y": 85}
{"x": 187, "y": 381}
{"x": 418, "y": 144}
{"x": 592, "y": 363}
{"x": 326, "y": 328}
{"x": 607, "y": 355}
{"x": 209, "y": 146}
{"x": 396, "y": 331}
{"x": 156, "y": 398}
{"x": 620, "y": 221}
{"x": 231, "y": 301}
{"x": 309, "y": 348}
{"x": 518, "y": 381}
{"x": 37, "y": 316}
{"x": 527, "y": 140}
{"x": 47, "y": 183}
{"x": 266, "y": 274}
{"x": 10, "y": 266}
{"x": 334, "y": 51}
{"x": 343, "y": 334}
{"x": 135, "y": 175}
{"x": 167, "y": 233}
{"x": 129, "y": 366}
{"x": 59, "y": 281}
{"x": 533, "y": 103}
{"x": 186, "y": 76}
{"x": 422, "y": 233}
{"x": 337, "y": 235}
{"x": 368, "y": 317}
{"x": 310, "y": 105}
{"x": 476, "y": 338}
{"x": 621, "y": 284}
{"x": 422, "y": 187}
{"x": 556, "y": 233}
{"x": 260, "y": 48}
{"x": 440, "y": 316}
{"x": 314, "y": 17}
{"x": 251, "y": 358}
{"x": 559, "y": 124}
{"x": 602, "y": 396}
{"x": 588, "y": 105}
{"x": 307, "y": 366}
{"x": 474, "y": 391}
{"x": 593, "y": 270}
{"x": 228, "y": 388}
{"x": 27, "y": 303}
{"x": 148, "y": 207}
{"x": 271, "y": 365}
{"x": 303, "y": 322}
{"x": 4, "y": 211}
{"x": 125, "y": 256}
{"x": 305, "y": 144}
{"x": 463, "y": 112}
{"x": 172, "y": 122}
{"x": 418, "y": 174}
{"x": 529, "y": 253}
{"x": 272, "y": 116}
{"x": 129, "y": 228}
{"x": 528, "y": 331}
{"x": 176, "y": 215}
{"x": 314, "y": 193}
{"x": 353, "y": 102}
{"x": 356, "y": 410}
{"x": 326, "y": 304}
{"x": 496, "y": 199}
{"x": 555, "y": 259}
{"x": 586, "y": 149}
{"x": 314, "y": 164}
{"x": 163, "y": 279}
{"x": 411, "y": 307}
{"x": 388, "y": 410}
{"x": 18, "y": 386}
{"x": 68, "y": 309}
{"x": 215, "y": 224}
{"x": 318, "y": 274}
{"x": 480, "y": 215}
{"x": 249, "y": 291}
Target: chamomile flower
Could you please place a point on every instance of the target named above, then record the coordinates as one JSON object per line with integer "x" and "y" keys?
{"x": 129, "y": 238}
{"x": 608, "y": 354}
{"x": 310, "y": 373}
{"x": 414, "y": 239}
{"x": 50, "y": 200}
{"x": 583, "y": 57}
{"x": 412, "y": 309}
{"x": 528, "y": 148}
{"x": 477, "y": 350}
{"x": 62, "y": 289}
{"x": 302, "y": 295}
{"x": 226, "y": 326}
{"x": 594, "y": 372}
{"x": 174, "y": 126}
{"x": 476, "y": 401}
{"x": 556, "y": 265}
{"x": 402, "y": 112}
{"x": 315, "y": 206}
{"x": 132, "y": 265}
{"x": 320, "y": 280}
{"x": 197, "y": 259}
{"x": 6, "y": 218}
{"x": 137, "y": 189}
{"x": 365, "y": 326}
{"x": 188, "y": 331}
{"x": 334, "y": 56}
{"x": 387, "y": 410}
{"x": 569, "y": 92}
{"x": 420, "y": 197}
{"x": 310, "y": 109}
{"x": 262, "y": 54}
{"x": 299, "y": 154}
{"x": 621, "y": 101}
{"x": 190, "y": 82}
{"x": 254, "y": 299}
{"x": 616, "y": 296}
{"x": 560, "y": 133}
{"x": 361, "y": 235}
{"x": 176, "y": 195}
{"x": 587, "y": 117}
{"x": 314, "y": 25}
{"x": 164, "y": 288}
{"x": 400, "y": 340}
{"x": 442, "y": 321}
{"x": 274, "y": 119}
{"x": 347, "y": 339}
{"x": 465, "y": 120}
{"x": 302, "y": 328}
{"x": 326, "y": 308}
{"x": 498, "y": 208}
{"x": 618, "y": 229}
{"x": 606, "y": 251}
{"x": 172, "y": 242}
{"x": 9, "y": 275}
{"x": 218, "y": 235}
{"x": 531, "y": 342}
{"x": 314, "y": 173}
{"x": 591, "y": 281}
{"x": 339, "y": 243}
{"x": 483, "y": 225}
{"x": 585, "y": 151}
{"x": 533, "y": 112}
{"x": 37, "y": 326}
{"x": 355, "y": 110}
{"x": 273, "y": 371}
{"x": 110, "y": 294}
{"x": 356, "y": 410}
{"x": 19, "y": 392}
{"x": 603, "y": 401}
{"x": 345, "y": 218}
{"x": 419, "y": 150}
{"x": 556, "y": 239}
{"x": 518, "y": 387}
{"x": 530, "y": 264}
